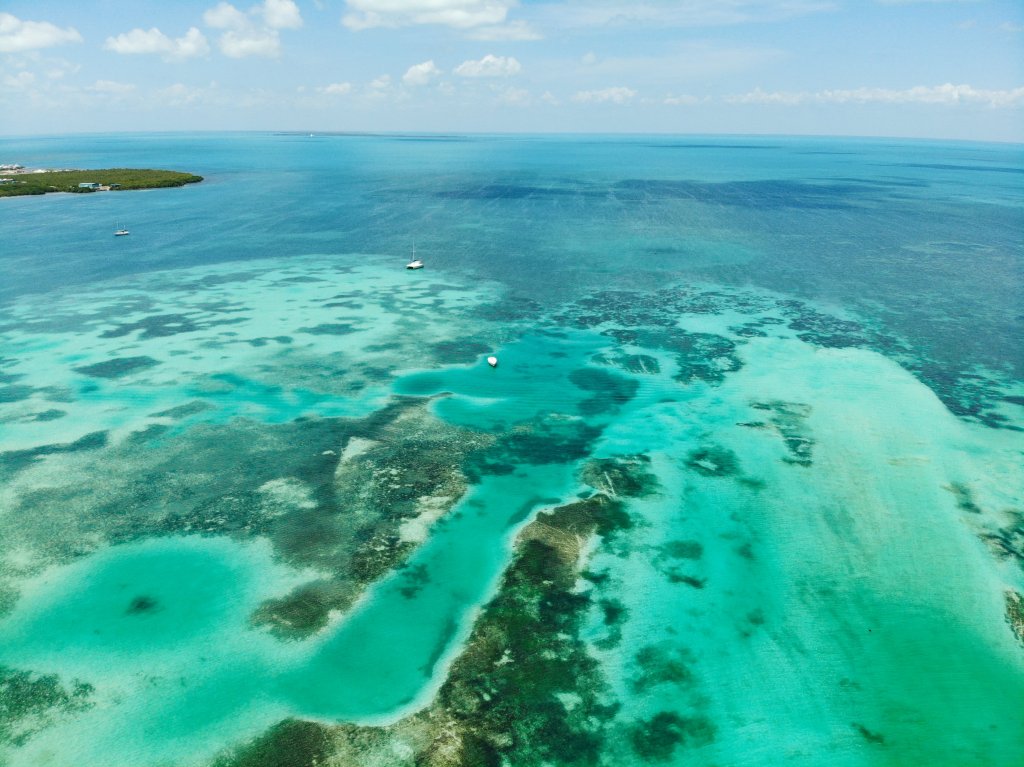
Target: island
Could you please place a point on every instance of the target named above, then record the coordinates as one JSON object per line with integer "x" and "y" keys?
{"x": 16, "y": 180}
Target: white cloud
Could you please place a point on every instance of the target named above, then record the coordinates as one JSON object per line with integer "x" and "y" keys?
{"x": 922, "y": 94}
{"x": 193, "y": 43}
{"x": 512, "y": 31}
{"x": 281, "y": 14}
{"x": 1009, "y": 26}
{"x": 462, "y": 14}
{"x": 256, "y": 42}
{"x": 549, "y": 98}
{"x": 17, "y": 35}
{"x": 614, "y": 95}
{"x": 336, "y": 89}
{"x": 758, "y": 96}
{"x": 225, "y": 16}
{"x": 489, "y": 66}
{"x": 254, "y": 33}
{"x": 421, "y": 74}
{"x": 381, "y": 82}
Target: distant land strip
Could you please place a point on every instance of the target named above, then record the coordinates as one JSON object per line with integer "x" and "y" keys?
{"x": 22, "y": 181}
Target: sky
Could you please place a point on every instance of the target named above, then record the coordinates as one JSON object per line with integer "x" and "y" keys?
{"x": 908, "y": 68}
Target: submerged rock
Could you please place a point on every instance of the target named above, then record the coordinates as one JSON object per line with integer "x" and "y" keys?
{"x": 655, "y": 739}
{"x": 290, "y": 743}
{"x": 625, "y": 475}
{"x": 1015, "y": 613}
{"x": 118, "y": 367}
{"x": 714, "y": 461}
{"x": 789, "y": 420}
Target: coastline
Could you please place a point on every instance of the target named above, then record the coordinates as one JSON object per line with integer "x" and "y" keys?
{"x": 18, "y": 181}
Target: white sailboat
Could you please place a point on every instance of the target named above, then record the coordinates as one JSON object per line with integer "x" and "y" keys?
{"x": 120, "y": 231}
{"x": 415, "y": 263}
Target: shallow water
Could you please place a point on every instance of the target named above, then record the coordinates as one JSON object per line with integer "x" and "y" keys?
{"x": 253, "y": 469}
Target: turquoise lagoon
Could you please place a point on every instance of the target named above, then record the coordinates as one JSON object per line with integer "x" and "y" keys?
{"x": 253, "y": 471}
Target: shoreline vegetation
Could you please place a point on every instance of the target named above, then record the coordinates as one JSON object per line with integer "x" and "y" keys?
{"x": 25, "y": 182}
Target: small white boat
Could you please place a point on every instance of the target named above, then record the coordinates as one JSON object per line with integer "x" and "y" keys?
{"x": 492, "y": 361}
{"x": 120, "y": 231}
{"x": 415, "y": 263}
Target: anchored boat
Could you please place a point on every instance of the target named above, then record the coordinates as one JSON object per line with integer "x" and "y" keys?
{"x": 415, "y": 263}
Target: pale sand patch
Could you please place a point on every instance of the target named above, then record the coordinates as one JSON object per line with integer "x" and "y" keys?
{"x": 286, "y": 493}
{"x": 356, "y": 446}
{"x": 431, "y": 508}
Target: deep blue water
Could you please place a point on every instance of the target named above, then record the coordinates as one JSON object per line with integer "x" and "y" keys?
{"x": 929, "y": 233}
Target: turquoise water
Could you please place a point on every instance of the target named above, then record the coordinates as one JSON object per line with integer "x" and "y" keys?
{"x": 248, "y": 408}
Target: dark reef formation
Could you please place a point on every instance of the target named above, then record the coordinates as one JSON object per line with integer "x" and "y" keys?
{"x": 502, "y": 697}
{"x": 1015, "y": 613}
{"x": 31, "y": 702}
{"x": 526, "y": 688}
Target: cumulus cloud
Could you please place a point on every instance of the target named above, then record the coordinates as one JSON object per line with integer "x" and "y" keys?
{"x": 489, "y": 66}
{"x": 225, "y": 16}
{"x": 614, "y": 95}
{"x": 461, "y": 14}
{"x": 379, "y": 83}
{"x": 138, "y": 41}
{"x": 17, "y": 35}
{"x": 253, "y": 33}
{"x": 421, "y": 74}
{"x": 255, "y": 42}
{"x": 336, "y": 89}
{"x": 280, "y": 14}
{"x": 948, "y": 93}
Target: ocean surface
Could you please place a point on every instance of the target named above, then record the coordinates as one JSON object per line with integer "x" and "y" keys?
{"x": 746, "y": 486}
